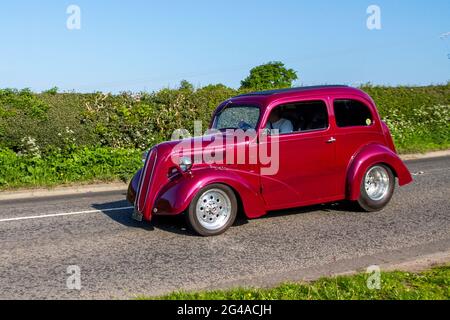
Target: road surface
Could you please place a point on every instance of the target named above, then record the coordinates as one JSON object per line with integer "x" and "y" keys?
{"x": 119, "y": 258}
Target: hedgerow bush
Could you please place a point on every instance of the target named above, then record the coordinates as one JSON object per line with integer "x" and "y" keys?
{"x": 49, "y": 120}
{"x": 52, "y": 138}
{"x": 81, "y": 164}
{"x": 126, "y": 120}
{"x": 418, "y": 117}
{"x": 140, "y": 121}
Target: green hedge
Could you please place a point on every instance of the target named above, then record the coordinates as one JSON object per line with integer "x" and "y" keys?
{"x": 419, "y": 117}
{"x": 119, "y": 121}
{"x": 51, "y": 138}
{"x": 64, "y": 167}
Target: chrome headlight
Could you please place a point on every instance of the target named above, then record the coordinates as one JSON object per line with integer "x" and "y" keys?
{"x": 185, "y": 164}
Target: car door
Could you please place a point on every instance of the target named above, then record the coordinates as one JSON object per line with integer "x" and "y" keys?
{"x": 306, "y": 172}
{"x": 356, "y": 125}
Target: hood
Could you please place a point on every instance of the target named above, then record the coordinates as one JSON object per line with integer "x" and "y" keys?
{"x": 191, "y": 146}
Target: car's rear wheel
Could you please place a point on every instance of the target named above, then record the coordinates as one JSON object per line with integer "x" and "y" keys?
{"x": 377, "y": 188}
{"x": 213, "y": 210}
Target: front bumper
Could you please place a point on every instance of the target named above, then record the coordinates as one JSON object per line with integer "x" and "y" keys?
{"x": 137, "y": 216}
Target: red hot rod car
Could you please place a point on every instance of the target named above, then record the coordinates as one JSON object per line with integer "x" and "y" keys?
{"x": 328, "y": 144}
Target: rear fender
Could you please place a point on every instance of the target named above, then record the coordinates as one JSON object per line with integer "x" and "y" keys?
{"x": 176, "y": 197}
{"x": 371, "y": 155}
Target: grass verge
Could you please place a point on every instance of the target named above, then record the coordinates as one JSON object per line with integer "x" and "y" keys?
{"x": 63, "y": 167}
{"x": 432, "y": 284}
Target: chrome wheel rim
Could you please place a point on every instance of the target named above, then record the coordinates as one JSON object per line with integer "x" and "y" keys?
{"x": 377, "y": 183}
{"x": 213, "y": 209}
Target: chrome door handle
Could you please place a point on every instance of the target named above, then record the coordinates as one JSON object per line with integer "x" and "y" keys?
{"x": 332, "y": 140}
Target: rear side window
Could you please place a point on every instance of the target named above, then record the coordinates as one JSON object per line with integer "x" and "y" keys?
{"x": 352, "y": 113}
{"x": 304, "y": 115}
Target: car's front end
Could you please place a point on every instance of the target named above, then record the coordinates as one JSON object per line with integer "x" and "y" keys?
{"x": 166, "y": 183}
{"x": 147, "y": 183}
{"x": 161, "y": 173}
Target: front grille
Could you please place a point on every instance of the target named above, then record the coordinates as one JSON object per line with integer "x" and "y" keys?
{"x": 145, "y": 182}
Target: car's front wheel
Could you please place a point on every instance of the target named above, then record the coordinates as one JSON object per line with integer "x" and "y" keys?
{"x": 377, "y": 188}
{"x": 213, "y": 210}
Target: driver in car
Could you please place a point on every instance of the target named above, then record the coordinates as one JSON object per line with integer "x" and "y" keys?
{"x": 276, "y": 122}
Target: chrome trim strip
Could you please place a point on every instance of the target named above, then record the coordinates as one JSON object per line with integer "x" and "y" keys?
{"x": 141, "y": 180}
{"x": 149, "y": 189}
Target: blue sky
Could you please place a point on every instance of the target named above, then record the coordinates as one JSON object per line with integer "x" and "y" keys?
{"x": 146, "y": 45}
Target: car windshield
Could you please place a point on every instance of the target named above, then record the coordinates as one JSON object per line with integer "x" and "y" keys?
{"x": 237, "y": 117}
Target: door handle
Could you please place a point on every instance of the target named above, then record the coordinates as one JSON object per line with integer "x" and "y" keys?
{"x": 332, "y": 140}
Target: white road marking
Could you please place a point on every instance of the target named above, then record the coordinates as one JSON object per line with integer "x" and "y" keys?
{"x": 64, "y": 214}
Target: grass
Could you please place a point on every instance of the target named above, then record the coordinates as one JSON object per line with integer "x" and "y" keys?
{"x": 432, "y": 284}
{"x": 80, "y": 165}
{"x": 418, "y": 146}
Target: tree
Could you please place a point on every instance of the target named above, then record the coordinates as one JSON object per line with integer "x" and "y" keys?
{"x": 51, "y": 91}
{"x": 272, "y": 75}
{"x": 186, "y": 85}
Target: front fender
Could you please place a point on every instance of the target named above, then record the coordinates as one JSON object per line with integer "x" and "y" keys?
{"x": 176, "y": 197}
{"x": 368, "y": 156}
{"x": 133, "y": 187}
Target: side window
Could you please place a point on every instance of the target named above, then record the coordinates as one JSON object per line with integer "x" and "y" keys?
{"x": 352, "y": 113}
{"x": 299, "y": 117}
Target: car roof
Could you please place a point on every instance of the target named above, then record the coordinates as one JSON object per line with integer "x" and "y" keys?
{"x": 291, "y": 90}
{"x": 267, "y": 97}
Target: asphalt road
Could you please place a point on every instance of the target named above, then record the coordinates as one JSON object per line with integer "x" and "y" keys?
{"x": 120, "y": 258}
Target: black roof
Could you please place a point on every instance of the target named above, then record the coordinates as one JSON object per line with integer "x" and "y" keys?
{"x": 298, "y": 89}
